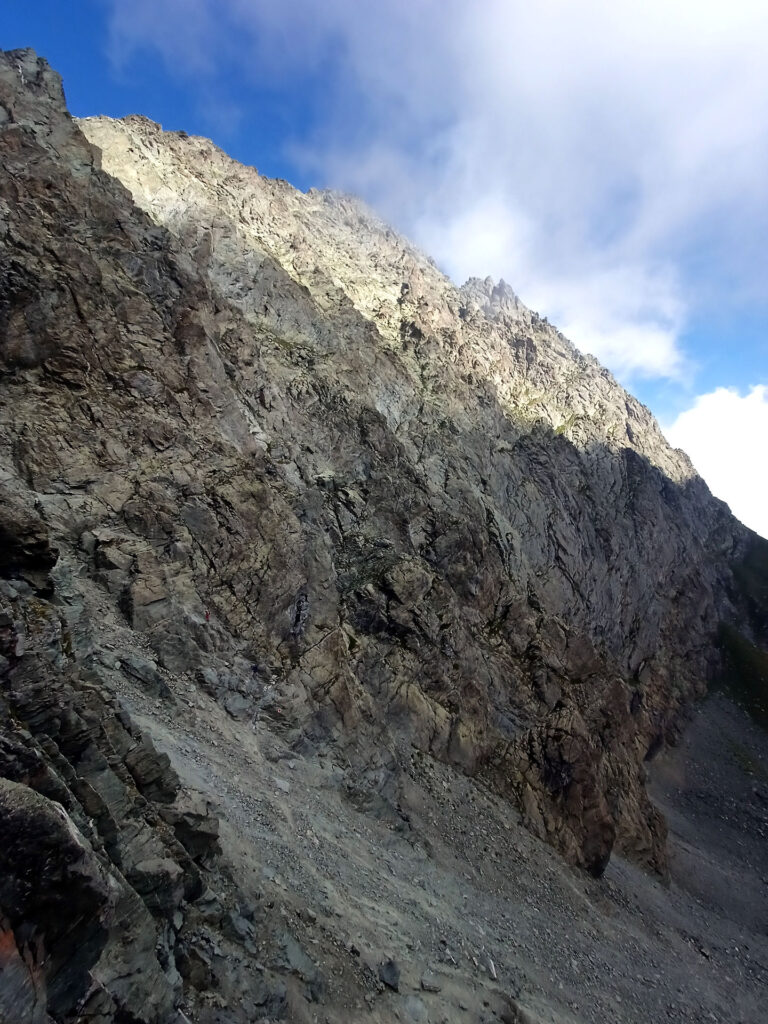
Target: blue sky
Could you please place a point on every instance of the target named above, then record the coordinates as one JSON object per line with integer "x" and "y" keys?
{"x": 609, "y": 160}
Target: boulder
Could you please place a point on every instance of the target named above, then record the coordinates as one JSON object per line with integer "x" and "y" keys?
{"x": 56, "y": 898}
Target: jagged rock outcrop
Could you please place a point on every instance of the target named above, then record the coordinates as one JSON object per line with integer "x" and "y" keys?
{"x": 377, "y": 511}
{"x": 476, "y": 499}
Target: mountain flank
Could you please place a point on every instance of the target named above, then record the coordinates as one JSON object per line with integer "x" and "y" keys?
{"x": 343, "y": 613}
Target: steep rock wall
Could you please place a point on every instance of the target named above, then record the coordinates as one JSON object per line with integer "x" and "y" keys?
{"x": 380, "y": 512}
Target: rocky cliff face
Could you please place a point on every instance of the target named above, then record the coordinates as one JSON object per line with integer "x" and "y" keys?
{"x": 494, "y": 555}
{"x": 252, "y": 440}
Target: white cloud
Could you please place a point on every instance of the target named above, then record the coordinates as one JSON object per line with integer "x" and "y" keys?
{"x": 629, "y": 316}
{"x": 605, "y": 158}
{"x": 725, "y": 434}
{"x": 180, "y": 30}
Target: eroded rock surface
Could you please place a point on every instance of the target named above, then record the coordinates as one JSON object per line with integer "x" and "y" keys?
{"x": 263, "y": 466}
{"x": 488, "y": 539}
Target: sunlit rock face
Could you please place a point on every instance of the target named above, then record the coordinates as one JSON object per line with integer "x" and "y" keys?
{"x": 491, "y": 551}
{"x": 301, "y": 470}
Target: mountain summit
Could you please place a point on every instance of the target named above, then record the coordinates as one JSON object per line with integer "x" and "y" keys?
{"x": 318, "y": 573}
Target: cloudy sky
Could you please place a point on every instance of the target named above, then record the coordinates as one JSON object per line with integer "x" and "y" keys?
{"x": 608, "y": 158}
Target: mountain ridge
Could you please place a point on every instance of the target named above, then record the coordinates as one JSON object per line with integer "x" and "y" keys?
{"x": 384, "y": 302}
{"x": 262, "y": 460}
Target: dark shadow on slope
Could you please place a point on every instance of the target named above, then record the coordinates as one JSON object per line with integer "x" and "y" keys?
{"x": 743, "y": 643}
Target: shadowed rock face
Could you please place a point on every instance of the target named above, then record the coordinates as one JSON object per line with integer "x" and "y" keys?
{"x": 55, "y": 895}
{"x": 377, "y": 511}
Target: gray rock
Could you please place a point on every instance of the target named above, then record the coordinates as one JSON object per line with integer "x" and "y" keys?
{"x": 152, "y": 772}
{"x": 415, "y": 1009}
{"x": 159, "y": 883}
{"x": 147, "y": 674}
{"x": 194, "y": 964}
{"x": 389, "y": 974}
{"x": 236, "y": 927}
{"x": 55, "y": 893}
{"x": 195, "y": 826}
{"x": 430, "y": 982}
{"x": 238, "y": 706}
{"x": 294, "y": 959}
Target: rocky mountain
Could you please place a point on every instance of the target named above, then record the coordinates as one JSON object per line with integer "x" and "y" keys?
{"x": 275, "y": 493}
